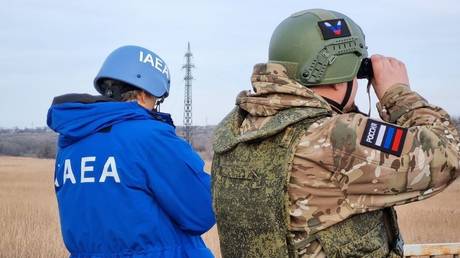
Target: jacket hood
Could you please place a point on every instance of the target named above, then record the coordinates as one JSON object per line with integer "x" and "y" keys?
{"x": 277, "y": 102}
{"x": 275, "y": 96}
{"x": 76, "y": 116}
{"x": 274, "y": 91}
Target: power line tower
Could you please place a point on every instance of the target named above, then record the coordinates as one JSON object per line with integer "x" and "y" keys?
{"x": 188, "y": 94}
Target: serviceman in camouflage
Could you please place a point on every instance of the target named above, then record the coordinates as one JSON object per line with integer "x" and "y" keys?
{"x": 298, "y": 171}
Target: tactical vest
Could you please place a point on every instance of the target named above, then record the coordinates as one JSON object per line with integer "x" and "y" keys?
{"x": 250, "y": 175}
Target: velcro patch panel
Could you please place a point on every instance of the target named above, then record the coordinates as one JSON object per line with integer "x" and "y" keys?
{"x": 385, "y": 137}
{"x": 332, "y": 29}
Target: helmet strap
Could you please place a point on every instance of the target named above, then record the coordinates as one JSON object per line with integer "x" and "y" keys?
{"x": 157, "y": 104}
{"x": 347, "y": 96}
{"x": 334, "y": 105}
{"x": 369, "y": 97}
{"x": 340, "y": 107}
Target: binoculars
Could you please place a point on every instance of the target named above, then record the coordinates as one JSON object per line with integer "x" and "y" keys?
{"x": 365, "y": 69}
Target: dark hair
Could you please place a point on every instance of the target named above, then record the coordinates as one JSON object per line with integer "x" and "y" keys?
{"x": 130, "y": 95}
{"x": 119, "y": 90}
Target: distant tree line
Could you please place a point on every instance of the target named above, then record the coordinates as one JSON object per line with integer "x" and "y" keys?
{"x": 36, "y": 142}
{"x": 41, "y": 142}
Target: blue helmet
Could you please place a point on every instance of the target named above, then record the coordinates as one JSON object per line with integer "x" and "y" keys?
{"x": 138, "y": 67}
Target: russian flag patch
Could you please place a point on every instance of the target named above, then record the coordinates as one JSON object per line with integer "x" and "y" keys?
{"x": 384, "y": 137}
{"x": 332, "y": 29}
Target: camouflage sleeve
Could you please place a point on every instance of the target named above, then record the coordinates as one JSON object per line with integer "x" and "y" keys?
{"x": 371, "y": 177}
{"x": 432, "y": 143}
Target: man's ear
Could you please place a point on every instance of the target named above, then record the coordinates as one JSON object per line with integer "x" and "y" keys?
{"x": 338, "y": 86}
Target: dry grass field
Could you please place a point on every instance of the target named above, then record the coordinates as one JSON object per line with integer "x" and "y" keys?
{"x": 29, "y": 224}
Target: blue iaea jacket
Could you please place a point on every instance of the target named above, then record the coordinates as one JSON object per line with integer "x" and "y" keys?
{"x": 126, "y": 185}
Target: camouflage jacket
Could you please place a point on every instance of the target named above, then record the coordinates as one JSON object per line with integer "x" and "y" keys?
{"x": 334, "y": 175}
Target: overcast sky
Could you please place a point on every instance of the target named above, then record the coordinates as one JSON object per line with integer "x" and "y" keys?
{"x": 48, "y": 48}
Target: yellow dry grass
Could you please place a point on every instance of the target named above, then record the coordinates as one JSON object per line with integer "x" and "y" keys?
{"x": 29, "y": 225}
{"x": 435, "y": 220}
{"x": 28, "y": 210}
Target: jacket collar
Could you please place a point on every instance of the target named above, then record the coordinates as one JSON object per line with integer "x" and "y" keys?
{"x": 276, "y": 98}
{"x": 274, "y": 91}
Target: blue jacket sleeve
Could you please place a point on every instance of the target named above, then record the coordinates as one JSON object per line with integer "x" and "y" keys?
{"x": 179, "y": 183}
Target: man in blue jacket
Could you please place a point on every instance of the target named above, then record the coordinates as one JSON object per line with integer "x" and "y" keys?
{"x": 126, "y": 185}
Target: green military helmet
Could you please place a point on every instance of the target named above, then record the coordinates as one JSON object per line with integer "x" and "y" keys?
{"x": 318, "y": 47}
